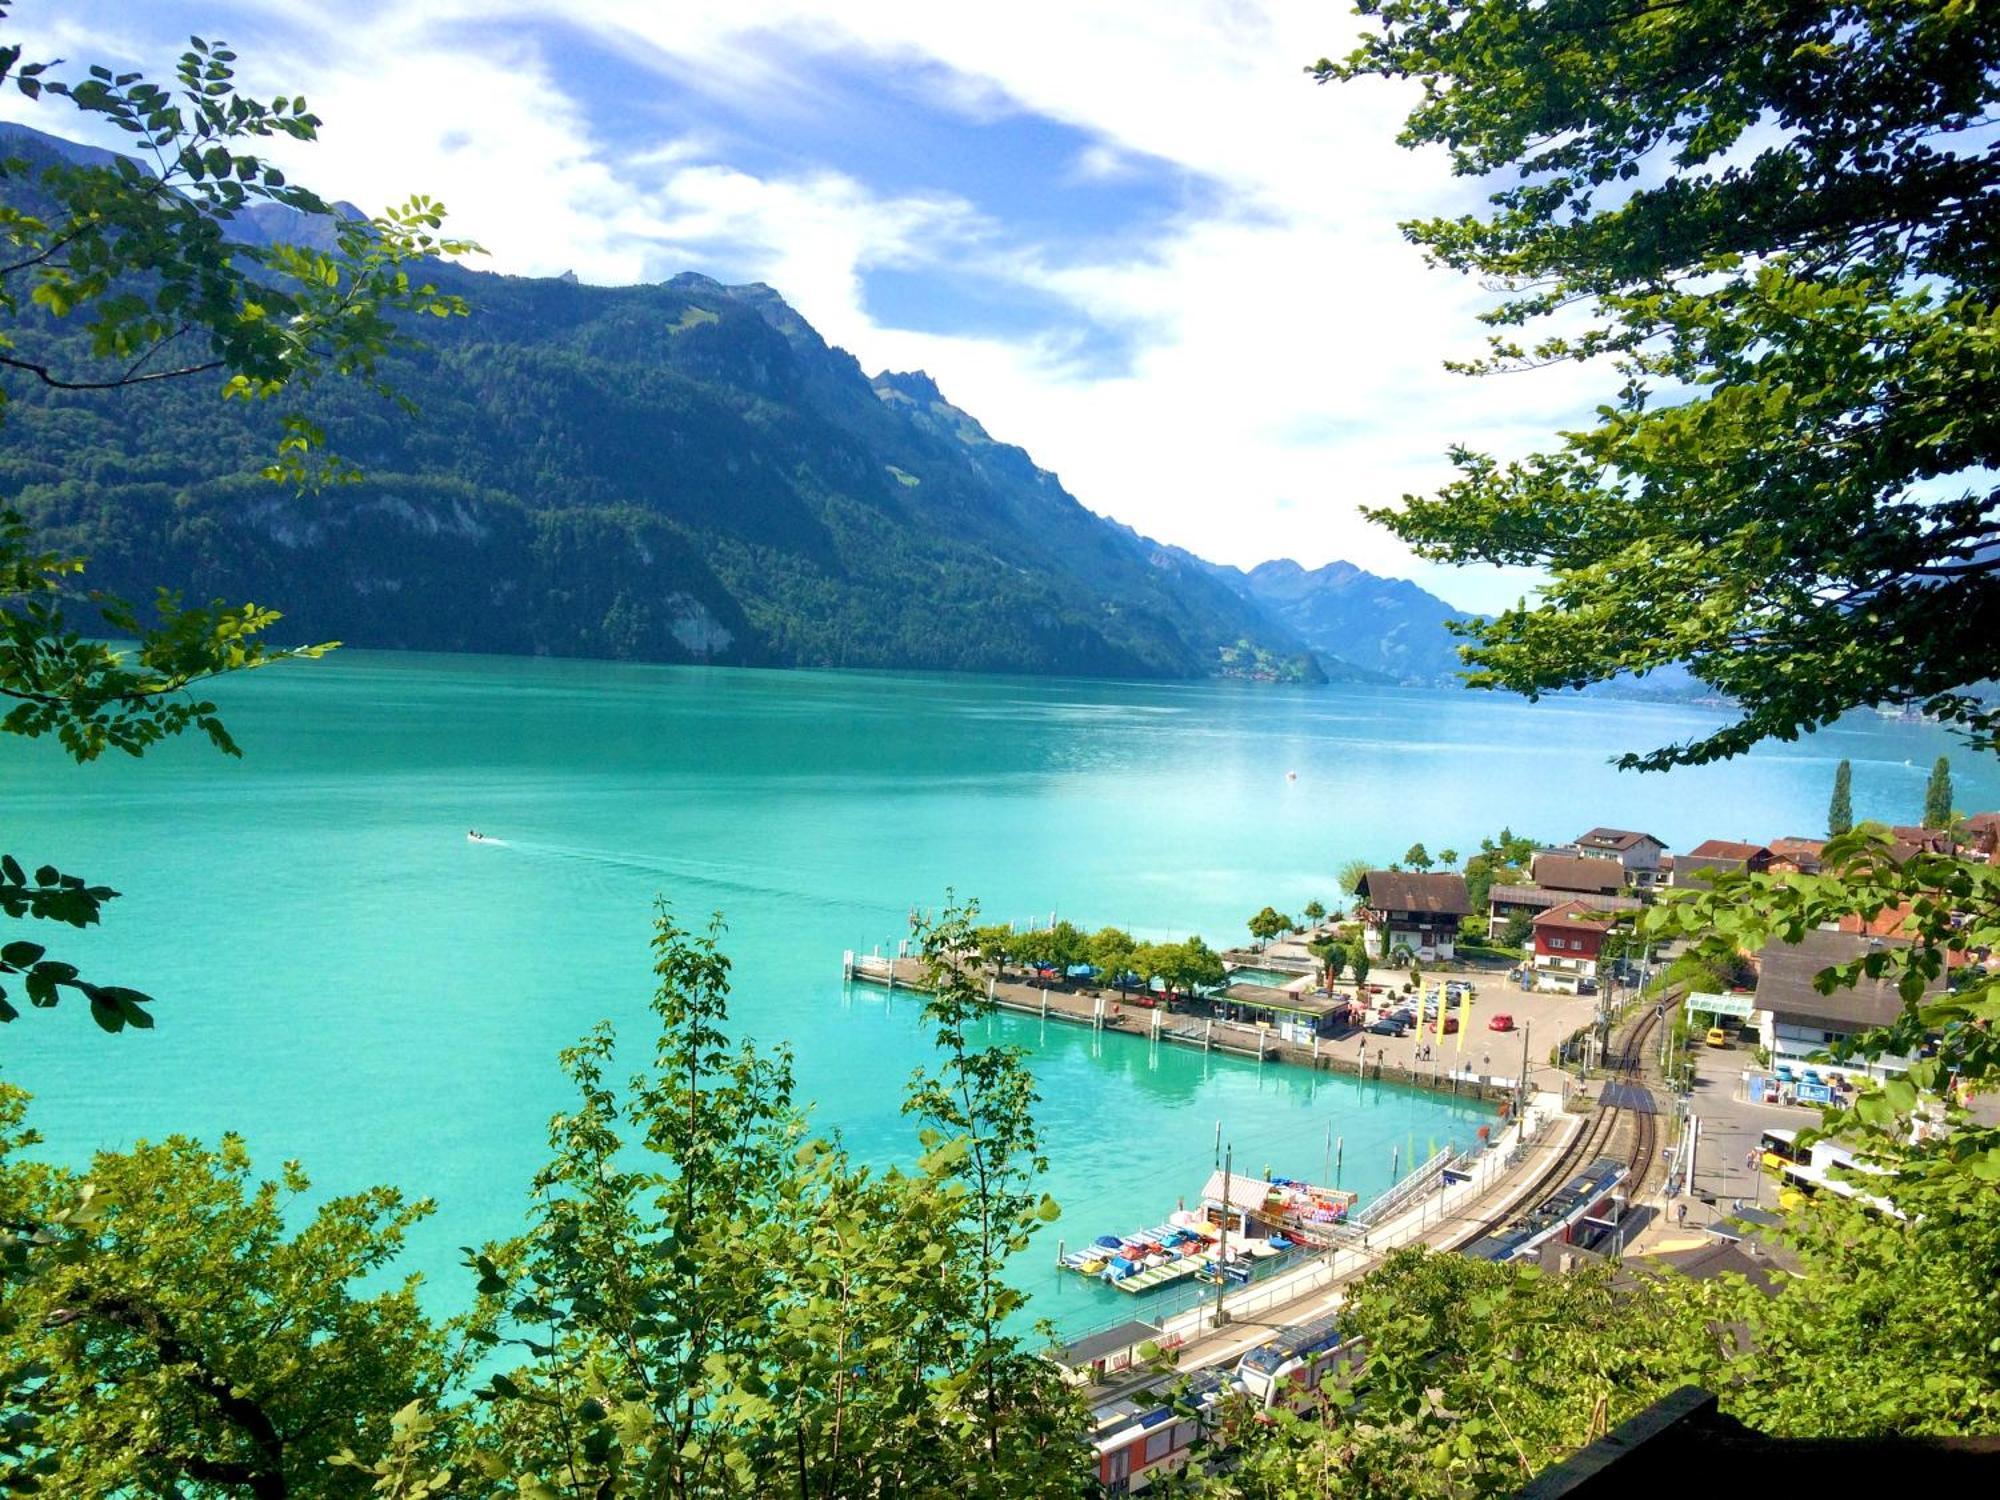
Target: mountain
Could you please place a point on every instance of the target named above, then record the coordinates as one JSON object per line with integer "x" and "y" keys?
{"x": 1385, "y": 626}
{"x": 676, "y": 472}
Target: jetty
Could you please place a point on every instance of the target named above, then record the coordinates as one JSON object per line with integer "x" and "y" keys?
{"x": 1147, "y": 1017}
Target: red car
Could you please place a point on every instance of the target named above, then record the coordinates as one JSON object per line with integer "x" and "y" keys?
{"x": 1501, "y": 1022}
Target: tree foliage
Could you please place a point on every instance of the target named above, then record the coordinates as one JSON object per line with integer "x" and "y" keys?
{"x": 1937, "y": 795}
{"x": 173, "y": 1325}
{"x": 1840, "y": 806}
{"x": 1775, "y": 222}
{"x": 1267, "y": 924}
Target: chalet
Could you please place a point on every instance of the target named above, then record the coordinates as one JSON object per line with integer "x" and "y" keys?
{"x": 1799, "y": 1022}
{"x": 1795, "y": 856}
{"x": 1577, "y": 875}
{"x": 1638, "y": 854}
{"x": 1569, "y": 940}
{"x": 1401, "y": 909}
{"x": 1714, "y": 857}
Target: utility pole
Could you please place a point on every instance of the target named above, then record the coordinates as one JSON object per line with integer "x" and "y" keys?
{"x": 1521, "y": 1098}
{"x": 1222, "y": 1245}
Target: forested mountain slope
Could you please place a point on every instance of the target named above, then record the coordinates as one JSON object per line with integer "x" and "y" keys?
{"x": 674, "y": 472}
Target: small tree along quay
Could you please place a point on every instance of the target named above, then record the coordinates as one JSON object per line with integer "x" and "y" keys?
{"x": 1267, "y": 924}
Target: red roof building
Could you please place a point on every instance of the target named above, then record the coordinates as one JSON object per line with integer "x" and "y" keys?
{"x": 1569, "y": 940}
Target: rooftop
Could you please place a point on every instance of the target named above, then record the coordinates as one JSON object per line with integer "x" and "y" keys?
{"x": 1109, "y": 1341}
{"x": 1586, "y": 916}
{"x": 1785, "y": 982}
{"x": 1578, "y": 872}
{"x": 1723, "y": 849}
{"x": 1403, "y": 890}
{"x": 1619, "y": 839}
{"x": 1534, "y": 895}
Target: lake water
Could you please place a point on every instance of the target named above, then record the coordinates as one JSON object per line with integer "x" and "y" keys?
{"x": 345, "y": 980}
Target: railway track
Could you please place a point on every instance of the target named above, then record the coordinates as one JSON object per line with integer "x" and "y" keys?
{"x": 1597, "y": 1138}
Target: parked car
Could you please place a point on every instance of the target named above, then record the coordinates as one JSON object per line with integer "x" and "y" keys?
{"x": 1388, "y": 1026}
{"x": 1500, "y": 1021}
{"x": 1717, "y": 1037}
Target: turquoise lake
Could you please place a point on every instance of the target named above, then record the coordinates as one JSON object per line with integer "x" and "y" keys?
{"x": 344, "y": 979}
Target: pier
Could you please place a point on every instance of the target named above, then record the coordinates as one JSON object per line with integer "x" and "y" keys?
{"x": 1107, "y": 1010}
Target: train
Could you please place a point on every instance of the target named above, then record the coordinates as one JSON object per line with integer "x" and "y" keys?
{"x": 1141, "y": 1435}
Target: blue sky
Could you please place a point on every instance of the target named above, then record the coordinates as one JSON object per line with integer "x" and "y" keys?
{"x": 1134, "y": 239}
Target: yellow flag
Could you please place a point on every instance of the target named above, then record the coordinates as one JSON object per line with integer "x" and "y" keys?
{"x": 1464, "y": 1015}
{"x": 1442, "y": 1002}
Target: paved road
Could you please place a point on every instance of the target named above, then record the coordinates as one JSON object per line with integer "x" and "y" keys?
{"x": 1729, "y": 1131}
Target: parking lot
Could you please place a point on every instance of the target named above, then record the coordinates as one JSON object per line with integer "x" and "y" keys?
{"x": 1539, "y": 1022}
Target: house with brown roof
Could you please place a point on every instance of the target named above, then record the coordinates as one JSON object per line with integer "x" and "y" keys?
{"x": 1797, "y": 1021}
{"x": 1406, "y": 909}
{"x": 1712, "y": 857}
{"x": 1569, "y": 941}
{"x": 1638, "y": 854}
{"x": 1795, "y": 856}
{"x": 1577, "y": 874}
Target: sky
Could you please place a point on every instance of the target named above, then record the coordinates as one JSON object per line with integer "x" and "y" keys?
{"x": 1135, "y": 239}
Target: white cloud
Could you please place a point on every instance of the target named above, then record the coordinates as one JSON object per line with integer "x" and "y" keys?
{"x": 1287, "y": 341}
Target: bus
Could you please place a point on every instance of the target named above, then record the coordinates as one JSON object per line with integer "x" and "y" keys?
{"x": 1780, "y": 1148}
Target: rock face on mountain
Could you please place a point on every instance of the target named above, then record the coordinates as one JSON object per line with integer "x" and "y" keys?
{"x": 674, "y": 472}
{"x": 1384, "y": 625}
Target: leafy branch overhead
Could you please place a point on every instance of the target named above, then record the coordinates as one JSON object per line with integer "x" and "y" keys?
{"x": 53, "y": 896}
{"x": 142, "y": 250}
{"x": 1775, "y": 222}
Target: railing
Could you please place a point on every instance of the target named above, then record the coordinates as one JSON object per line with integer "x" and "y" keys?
{"x": 1415, "y": 1183}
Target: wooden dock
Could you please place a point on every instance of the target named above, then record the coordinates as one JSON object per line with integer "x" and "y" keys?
{"x": 1105, "y": 1010}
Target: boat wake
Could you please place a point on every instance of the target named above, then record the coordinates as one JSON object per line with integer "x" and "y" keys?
{"x": 680, "y": 872}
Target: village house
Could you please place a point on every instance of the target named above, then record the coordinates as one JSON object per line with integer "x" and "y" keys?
{"x": 1795, "y": 856}
{"x": 1569, "y": 941}
{"x": 1577, "y": 874}
{"x": 1403, "y": 909}
{"x": 1982, "y": 835}
{"x": 1712, "y": 857}
{"x": 1638, "y": 854}
{"x": 1797, "y": 1022}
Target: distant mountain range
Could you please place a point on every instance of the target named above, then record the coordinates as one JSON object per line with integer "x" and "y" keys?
{"x": 681, "y": 472}
{"x": 1382, "y": 625}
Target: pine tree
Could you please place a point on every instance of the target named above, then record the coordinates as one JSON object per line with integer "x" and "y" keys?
{"x": 1937, "y": 795}
{"x": 1840, "y": 811}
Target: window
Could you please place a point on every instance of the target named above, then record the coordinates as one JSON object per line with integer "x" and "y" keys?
{"x": 1159, "y": 1445}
